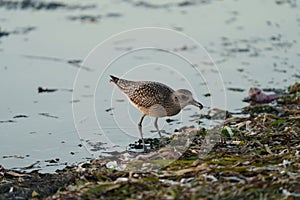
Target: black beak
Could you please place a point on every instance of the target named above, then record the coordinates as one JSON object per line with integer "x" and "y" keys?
{"x": 197, "y": 104}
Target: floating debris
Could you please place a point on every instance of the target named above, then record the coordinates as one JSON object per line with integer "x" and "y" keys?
{"x": 86, "y": 18}
{"x": 97, "y": 146}
{"x": 48, "y": 115}
{"x": 207, "y": 95}
{"x": 20, "y": 116}
{"x": 38, "y": 5}
{"x": 236, "y": 89}
{"x": 169, "y": 120}
{"x": 7, "y": 121}
{"x": 14, "y": 156}
{"x": 3, "y": 33}
{"x": 113, "y": 15}
{"x": 42, "y": 90}
{"x": 53, "y": 161}
{"x": 108, "y": 109}
{"x": 258, "y": 96}
{"x": 75, "y": 63}
{"x": 150, "y": 144}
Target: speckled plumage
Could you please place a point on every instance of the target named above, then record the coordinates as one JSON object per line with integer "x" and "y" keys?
{"x": 155, "y": 99}
{"x": 151, "y": 98}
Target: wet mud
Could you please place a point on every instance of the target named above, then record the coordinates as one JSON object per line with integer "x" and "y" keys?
{"x": 256, "y": 156}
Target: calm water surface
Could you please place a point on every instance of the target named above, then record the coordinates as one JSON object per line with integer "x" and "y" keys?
{"x": 246, "y": 46}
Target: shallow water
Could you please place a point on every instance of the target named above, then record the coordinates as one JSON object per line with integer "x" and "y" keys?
{"x": 86, "y": 116}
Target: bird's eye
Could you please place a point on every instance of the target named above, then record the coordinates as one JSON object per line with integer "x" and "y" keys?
{"x": 183, "y": 97}
{"x": 176, "y": 99}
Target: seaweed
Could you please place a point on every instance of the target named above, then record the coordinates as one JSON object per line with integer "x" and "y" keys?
{"x": 254, "y": 157}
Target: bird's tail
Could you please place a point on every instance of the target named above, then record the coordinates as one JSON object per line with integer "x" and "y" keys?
{"x": 114, "y": 79}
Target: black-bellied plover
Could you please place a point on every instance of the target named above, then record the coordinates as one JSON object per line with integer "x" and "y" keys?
{"x": 155, "y": 99}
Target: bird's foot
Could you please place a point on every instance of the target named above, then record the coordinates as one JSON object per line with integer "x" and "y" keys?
{"x": 145, "y": 149}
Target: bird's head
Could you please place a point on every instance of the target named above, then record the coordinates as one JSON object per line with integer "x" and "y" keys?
{"x": 185, "y": 97}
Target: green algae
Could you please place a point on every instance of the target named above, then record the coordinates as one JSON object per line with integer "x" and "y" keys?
{"x": 259, "y": 159}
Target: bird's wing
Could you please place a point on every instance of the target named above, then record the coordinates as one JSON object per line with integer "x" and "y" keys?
{"x": 147, "y": 94}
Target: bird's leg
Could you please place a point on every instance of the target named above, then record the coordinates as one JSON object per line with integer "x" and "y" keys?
{"x": 156, "y": 126}
{"x": 140, "y": 130}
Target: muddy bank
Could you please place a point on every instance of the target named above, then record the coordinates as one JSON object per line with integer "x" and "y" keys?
{"x": 256, "y": 156}
{"x": 16, "y": 185}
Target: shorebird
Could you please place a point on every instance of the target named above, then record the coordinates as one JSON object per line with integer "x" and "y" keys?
{"x": 154, "y": 99}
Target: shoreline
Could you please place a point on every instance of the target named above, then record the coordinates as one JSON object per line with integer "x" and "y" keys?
{"x": 254, "y": 157}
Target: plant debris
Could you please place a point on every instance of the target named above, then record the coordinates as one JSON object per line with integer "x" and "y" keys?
{"x": 48, "y": 115}
{"x": 3, "y": 33}
{"x": 258, "y": 96}
{"x": 20, "y": 116}
{"x": 42, "y": 90}
{"x": 37, "y": 5}
{"x": 256, "y": 156}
